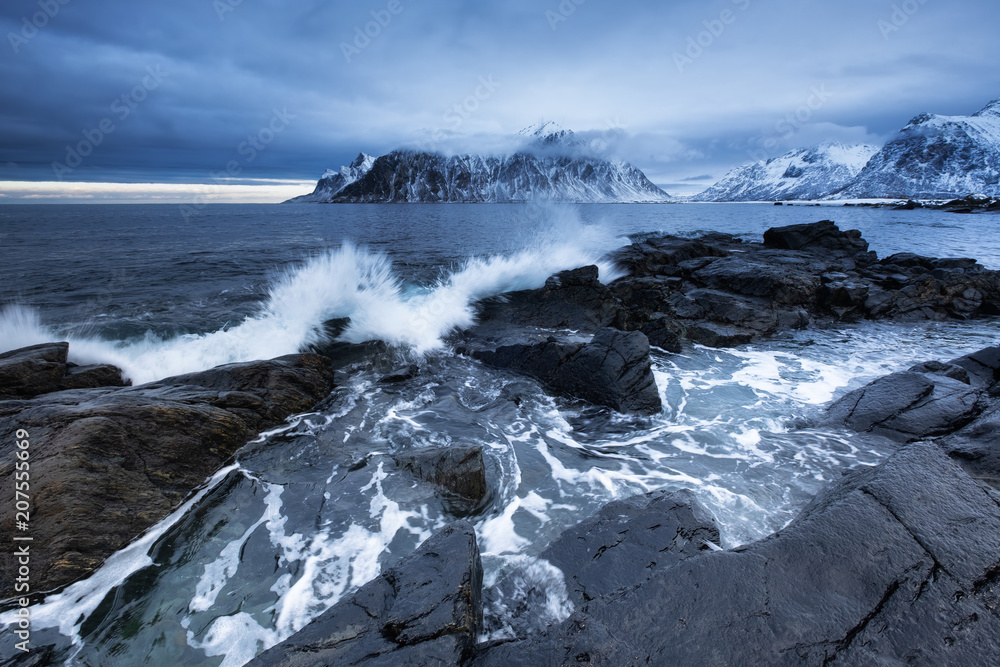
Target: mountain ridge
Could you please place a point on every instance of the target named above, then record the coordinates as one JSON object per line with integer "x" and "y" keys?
{"x": 553, "y": 166}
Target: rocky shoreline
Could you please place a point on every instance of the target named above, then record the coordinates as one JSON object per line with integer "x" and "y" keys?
{"x": 900, "y": 562}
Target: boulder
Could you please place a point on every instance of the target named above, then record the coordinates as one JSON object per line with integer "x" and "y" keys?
{"x": 426, "y": 610}
{"x": 930, "y": 399}
{"x": 813, "y": 236}
{"x": 42, "y": 369}
{"x": 613, "y": 369}
{"x": 459, "y": 470}
{"x": 111, "y": 462}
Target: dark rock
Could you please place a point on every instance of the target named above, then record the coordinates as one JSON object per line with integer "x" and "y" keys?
{"x": 953, "y": 371}
{"x": 116, "y": 460}
{"x": 401, "y": 374}
{"x": 983, "y": 366}
{"x": 34, "y": 370}
{"x": 628, "y": 540}
{"x": 976, "y": 446}
{"x": 711, "y": 334}
{"x": 570, "y": 300}
{"x": 895, "y": 564}
{"x": 42, "y": 369}
{"x": 458, "y": 469}
{"x": 971, "y": 204}
{"x": 824, "y": 234}
{"x": 908, "y": 406}
{"x": 614, "y": 369}
{"x": 93, "y": 376}
{"x": 663, "y": 332}
{"x": 426, "y": 610}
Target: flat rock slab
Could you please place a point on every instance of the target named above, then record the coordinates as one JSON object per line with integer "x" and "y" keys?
{"x": 426, "y": 610}
{"x": 899, "y": 564}
{"x": 931, "y": 399}
{"x": 106, "y": 464}
{"x": 628, "y": 540}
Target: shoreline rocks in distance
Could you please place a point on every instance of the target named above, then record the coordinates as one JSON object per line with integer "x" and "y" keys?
{"x": 583, "y": 339}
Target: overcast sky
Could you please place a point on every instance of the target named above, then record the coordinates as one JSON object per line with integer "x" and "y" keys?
{"x": 276, "y": 92}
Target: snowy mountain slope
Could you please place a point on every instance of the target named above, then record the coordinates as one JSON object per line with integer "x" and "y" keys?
{"x": 409, "y": 176}
{"x": 333, "y": 182}
{"x": 936, "y": 157}
{"x": 809, "y": 173}
{"x": 551, "y": 165}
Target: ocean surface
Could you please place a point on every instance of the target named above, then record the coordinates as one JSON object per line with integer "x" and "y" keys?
{"x": 314, "y": 509}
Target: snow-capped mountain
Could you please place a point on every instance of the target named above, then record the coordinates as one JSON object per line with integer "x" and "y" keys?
{"x": 333, "y": 182}
{"x": 936, "y": 157}
{"x": 807, "y": 173}
{"x": 551, "y": 165}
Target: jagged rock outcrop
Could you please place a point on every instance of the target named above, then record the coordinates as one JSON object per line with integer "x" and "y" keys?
{"x": 612, "y": 369}
{"x": 459, "y": 470}
{"x": 721, "y": 291}
{"x": 332, "y": 182}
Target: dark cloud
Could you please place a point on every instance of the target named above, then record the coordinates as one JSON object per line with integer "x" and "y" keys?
{"x": 228, "y": 68}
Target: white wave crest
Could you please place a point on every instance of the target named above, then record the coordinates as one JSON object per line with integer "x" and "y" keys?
{"x": 352, "y": 282}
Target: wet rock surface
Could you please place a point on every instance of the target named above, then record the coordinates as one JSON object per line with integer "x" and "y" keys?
{"x": 955, "y": 403}
{"x": 896, "y": 563}
{"x": 426, "y": 610}
{"x": 930, "y": 399}
{"x": 628, "y": 540}
{"x": 42, "y": 369}
{"x": 116, "y": 460}
{"x": 612, "y": 369}
{"x": 718, "y": 291}
{"x": 458, "y": 470}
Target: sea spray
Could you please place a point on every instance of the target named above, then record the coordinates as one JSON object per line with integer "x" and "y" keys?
{"x": 347, "y": 282}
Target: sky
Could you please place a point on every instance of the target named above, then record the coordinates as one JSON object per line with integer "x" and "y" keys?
{"x": 252, "y": 100}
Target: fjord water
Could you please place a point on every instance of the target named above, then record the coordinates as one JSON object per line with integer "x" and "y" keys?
{"x": 313, "y": 510}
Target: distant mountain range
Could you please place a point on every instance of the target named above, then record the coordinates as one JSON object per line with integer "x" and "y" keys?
{"x": 933, "y": 157}
{"x": 806, "y": 173}
{"x": 936, "y": 157}
{"x": 553, "y": 165}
